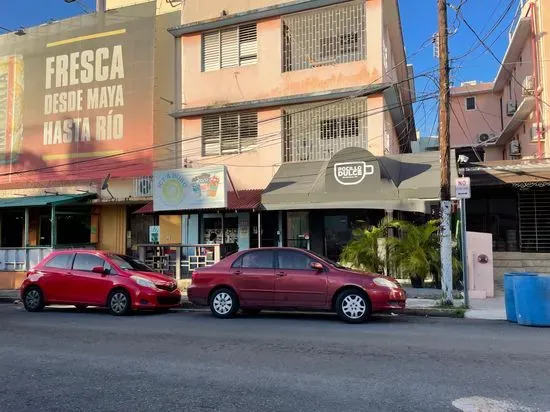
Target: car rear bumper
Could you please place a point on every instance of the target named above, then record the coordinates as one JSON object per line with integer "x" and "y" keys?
{"x": 198, "y": 295}
{"x": 145, "y": 299}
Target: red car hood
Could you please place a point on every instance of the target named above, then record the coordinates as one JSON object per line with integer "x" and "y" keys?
{"x": 370, "y": 275}
{"x": 153, "y": 276}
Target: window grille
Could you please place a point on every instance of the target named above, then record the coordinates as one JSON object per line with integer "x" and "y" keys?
{"x": 229, "y": 133}
{"x": 325, "y": 36}
{"x": 236, "y": 46}
{"x": 317, "y": 132}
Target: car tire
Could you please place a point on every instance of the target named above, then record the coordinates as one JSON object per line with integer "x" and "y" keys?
{"x": 353, "y": 306}
{"x": 251, "y": 312}
{"x": 119, "y": 303}
{"x": 33, "y": 299}
{"x": 81, "y": 308}
{"x": 224, "y": 303}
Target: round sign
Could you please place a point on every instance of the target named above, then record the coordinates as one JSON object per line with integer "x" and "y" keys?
{"x": 172, "y": 191}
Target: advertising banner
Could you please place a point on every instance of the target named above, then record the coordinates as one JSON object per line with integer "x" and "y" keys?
{"x": 77, "y": 94}
{"x": 190, "y": 189}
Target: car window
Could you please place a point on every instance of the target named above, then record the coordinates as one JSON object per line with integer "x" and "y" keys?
{"x": 292, "y": 260}
{"x": 128, "y": 263}
{"x": 258, "y": 260}
{"x": 60, "y": 261}
{"x": 87, "y": 262}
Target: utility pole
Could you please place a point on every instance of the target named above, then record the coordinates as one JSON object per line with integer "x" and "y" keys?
{"x": 444, "y": 142}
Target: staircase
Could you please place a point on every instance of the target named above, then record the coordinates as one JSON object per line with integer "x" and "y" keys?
{"x": 504, "y": 262}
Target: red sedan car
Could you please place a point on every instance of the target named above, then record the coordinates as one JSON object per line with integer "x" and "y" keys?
{"x": 93, "y": 278}
{"x": 285, "y": 278}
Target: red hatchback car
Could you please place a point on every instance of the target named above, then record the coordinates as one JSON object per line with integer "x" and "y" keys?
{"x": 93, "y": 278}
{"x": 285, "y": 278}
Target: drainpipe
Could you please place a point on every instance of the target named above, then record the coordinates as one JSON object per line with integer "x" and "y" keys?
{"x": 501, "y": 115}
{"x": 536, "y": 77}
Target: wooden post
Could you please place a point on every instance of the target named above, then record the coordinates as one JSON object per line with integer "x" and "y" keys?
{"x": 444, "y": 139}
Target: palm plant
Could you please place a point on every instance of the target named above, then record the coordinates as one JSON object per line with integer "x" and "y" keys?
{"x": 414, "y": 253}
{"x": 362, "y": 252}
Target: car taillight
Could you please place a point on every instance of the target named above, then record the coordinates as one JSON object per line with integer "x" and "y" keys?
{"x": 194, "y": 276}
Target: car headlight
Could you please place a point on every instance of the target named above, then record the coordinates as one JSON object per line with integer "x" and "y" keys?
{"x": 385, "y": 283}
{"x": 144, "y": 282}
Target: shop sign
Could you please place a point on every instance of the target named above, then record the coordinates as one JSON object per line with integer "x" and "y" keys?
{"x": 463, "y": 188}
{"x": 190, "y": 189}
{"x": 352, "y": 173}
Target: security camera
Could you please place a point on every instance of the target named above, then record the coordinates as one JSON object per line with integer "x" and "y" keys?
{"x": 463, "y": 159}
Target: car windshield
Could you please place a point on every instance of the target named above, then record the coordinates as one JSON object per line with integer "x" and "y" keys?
{"x": 128, "y": 263}
{"x": 327, "y": 260}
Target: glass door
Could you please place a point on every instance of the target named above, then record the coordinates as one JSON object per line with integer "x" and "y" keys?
{"x": 297, "y": 233}
{"x": 337, "y": 235}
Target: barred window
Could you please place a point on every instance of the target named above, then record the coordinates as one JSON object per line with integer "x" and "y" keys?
{"x": 325, "y": 36}
{"x": 236, "y": 46}
{"x": 229, "y": 133}
{"x": 318, "y": 131}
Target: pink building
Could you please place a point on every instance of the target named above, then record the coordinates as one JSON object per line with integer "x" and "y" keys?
{"x": 501, "y": 127}
{"x": 300, "y": 105}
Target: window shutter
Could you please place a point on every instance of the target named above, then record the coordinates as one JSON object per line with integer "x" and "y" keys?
{"x": 230, "y": 133}
{"x": 230, "y": 47}
{"x": 248, "y": 45}
{"x": 210, "y": 135}
{"x": 210, "y": 51}
{"x": 249, "y": 130}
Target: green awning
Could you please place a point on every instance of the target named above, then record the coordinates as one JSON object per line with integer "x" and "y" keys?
{"x": 39, "y": 201}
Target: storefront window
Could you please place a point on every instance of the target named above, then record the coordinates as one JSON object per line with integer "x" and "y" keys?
{"x": 13, "y": 225}
{"x": 297, "y": 229}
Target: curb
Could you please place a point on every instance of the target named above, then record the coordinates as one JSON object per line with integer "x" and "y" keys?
{"x": 436, "y": 312}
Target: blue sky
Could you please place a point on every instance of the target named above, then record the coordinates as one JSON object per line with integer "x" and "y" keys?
{"x": 419, "y": 20}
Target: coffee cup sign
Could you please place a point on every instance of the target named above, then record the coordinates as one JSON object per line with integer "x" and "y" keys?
{"x": 352, "y": 173}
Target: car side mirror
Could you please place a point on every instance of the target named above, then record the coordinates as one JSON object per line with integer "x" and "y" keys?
{"x": 317, "y": 266}
{"x": 101, "y": 270}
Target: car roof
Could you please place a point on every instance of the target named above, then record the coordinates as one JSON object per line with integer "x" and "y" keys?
{"x": 91, "y": 251}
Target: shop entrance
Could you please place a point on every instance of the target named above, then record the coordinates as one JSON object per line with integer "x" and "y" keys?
{"x": 297, "y": 230}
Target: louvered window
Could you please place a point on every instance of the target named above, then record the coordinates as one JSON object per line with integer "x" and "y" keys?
{"x": 325, "y": 36}
{"x": 236, "y": 46}
{"x": 229, "y": 133}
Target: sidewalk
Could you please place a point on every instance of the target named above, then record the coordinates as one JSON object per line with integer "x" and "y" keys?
{"x": 490, "y": 309}
{"x": 9, "y": 295}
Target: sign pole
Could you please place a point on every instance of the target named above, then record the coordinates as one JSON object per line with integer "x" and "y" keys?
{"x": 463, "y": 236}
{"x": 463, "y": 192}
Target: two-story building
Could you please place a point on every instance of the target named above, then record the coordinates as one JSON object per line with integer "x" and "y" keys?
{"x": 501, "y": 127}
{"x": 296, "y": 119}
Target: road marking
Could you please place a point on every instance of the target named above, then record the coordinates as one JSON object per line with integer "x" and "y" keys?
{"x": 481, "y": 404}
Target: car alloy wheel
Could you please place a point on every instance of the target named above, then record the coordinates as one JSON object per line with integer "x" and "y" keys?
{"x": 33, "y": 300}
{"x": 224, "y": 303}
{"x": 119, "y": 303}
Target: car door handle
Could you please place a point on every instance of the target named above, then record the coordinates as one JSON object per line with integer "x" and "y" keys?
{"x": 237, "y": 272}
{"x": 281, "y": 274}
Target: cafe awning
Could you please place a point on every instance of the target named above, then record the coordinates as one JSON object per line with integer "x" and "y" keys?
{"x": 42, "y": 201}
{"x": 355, "y": 179}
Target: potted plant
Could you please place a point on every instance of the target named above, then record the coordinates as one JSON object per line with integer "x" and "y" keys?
{"x": 362, "y": 252}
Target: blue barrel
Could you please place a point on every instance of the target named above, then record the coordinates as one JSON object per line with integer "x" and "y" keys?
{"x": 532, "y": 300}
{"x": 509, "y": 298}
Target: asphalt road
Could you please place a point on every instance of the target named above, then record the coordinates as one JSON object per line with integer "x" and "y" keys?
{"x": 61, "y": 360}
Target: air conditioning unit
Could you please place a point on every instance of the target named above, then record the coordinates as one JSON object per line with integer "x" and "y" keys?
{"x": 485, "y": 137}
{"x": 143, "y": 186}
{"x": 511, "y": 108}
{"x": 528, "y": 86}
{"x": 515, "y": 148}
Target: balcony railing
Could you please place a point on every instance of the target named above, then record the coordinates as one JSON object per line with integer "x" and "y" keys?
{"x": 516, "y": 18}
{"x": 21, "y": 259}
{"x": 179, "y": 261}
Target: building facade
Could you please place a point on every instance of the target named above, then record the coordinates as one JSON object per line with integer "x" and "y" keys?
{"x": 85, "y": 104}
{"x": 278, "y": 97}
{"x": 501, "y": 127}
